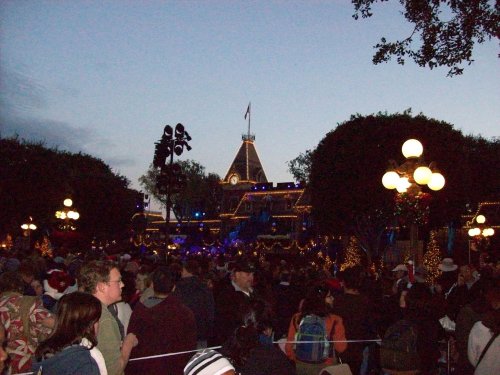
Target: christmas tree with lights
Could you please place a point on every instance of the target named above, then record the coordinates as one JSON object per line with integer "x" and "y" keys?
{"x": 432, "y": 258}
{"x": 45, "y": 248}
{"x": 352, "y": 254}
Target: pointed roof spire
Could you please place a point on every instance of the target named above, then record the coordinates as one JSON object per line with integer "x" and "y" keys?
{"x": 246, "y": 165}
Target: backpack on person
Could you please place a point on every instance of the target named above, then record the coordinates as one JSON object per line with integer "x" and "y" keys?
{"x": 312, "y": 345}
{"x": 398, "y": 350}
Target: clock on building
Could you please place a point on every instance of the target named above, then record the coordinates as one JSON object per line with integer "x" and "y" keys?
{"x": 234, "y": 179}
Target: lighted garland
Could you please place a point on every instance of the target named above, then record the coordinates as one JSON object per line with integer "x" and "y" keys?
{"x": 412, "y": 209}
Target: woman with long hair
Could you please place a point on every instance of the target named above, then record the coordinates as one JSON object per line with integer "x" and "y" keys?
{"x": 251, "y": 349}
{"x": 71, "y": 349}
{"x": 315, "y": 310}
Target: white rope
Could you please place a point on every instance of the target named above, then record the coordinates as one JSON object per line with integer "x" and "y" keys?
{"x": 171, "y": 354}
{"x": 218, "y": 347}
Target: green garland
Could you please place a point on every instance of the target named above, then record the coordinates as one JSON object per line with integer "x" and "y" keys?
{"x": 412, "y": 209}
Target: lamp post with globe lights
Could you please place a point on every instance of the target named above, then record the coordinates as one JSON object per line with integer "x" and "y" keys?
{"x": 67, "y": 215}
{"x": 479, "y": 233}
{"x": 408, "y": 180}
{"x": 28, "y": 227}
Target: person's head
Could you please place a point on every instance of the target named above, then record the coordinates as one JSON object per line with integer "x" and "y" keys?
{"x": 209, "y": 362}
{"x": 37, "y": 287}
{"x": 3, "y": 343}
{"x": 11, "y": 281}
{"x": 417, "y": 300}
{"x": 78, "y": 315}
{"x": 27, "y": 272}
{"x": 465, "y": 272}
{"x": 190, "y": 268}
{"x": 400, "y": 271}
{"x": 353, "y": 277}
{"x": 318, "y": 300}
{"x": 491, "y": 318}
{"x": 285, "y": 275}
{"x": 142, "y": 280}
{"x": 102, "y": 279}
{"x": 163, "y": 280}
{"x": 243, "y": 275}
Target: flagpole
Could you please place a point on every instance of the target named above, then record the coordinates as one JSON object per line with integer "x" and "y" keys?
{"x": 249, "y": 116}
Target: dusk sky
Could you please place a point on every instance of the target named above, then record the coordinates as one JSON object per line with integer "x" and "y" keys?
{"x": 105, "y": 77}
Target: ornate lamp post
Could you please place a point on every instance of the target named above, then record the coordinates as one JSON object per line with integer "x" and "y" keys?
{"x": 480, "y": 232}
{"x": 28, "y": 227}
{"x": 68, "y": 214}
{"x": 410, "y": 177}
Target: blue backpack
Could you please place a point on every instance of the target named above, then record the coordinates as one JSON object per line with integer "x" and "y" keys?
{"x": 312, "y": 344}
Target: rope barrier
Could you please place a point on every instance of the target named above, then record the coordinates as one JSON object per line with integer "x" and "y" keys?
{"x": 172, "y": 354}
{"x": 218, "y": 347}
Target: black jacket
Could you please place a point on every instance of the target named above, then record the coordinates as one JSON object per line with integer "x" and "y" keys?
{"x": 198, "y": 297}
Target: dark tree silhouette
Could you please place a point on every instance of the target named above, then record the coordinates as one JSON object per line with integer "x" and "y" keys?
{"x": 447, "y": 31}
{"x": 34, "y": 181}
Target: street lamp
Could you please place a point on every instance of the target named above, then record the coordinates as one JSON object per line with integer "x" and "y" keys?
{"x": 28, "y": 227}
{"x": 480, "y": 232}
{"x": 68, "y": 214}
{"x": 411, "y": 176}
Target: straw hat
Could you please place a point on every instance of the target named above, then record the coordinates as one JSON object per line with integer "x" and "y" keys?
{"x": 400, "y": 267}
{"x": 447, "y": 265}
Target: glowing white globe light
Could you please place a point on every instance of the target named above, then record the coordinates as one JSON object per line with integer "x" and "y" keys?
{"x": 403, "y": 185}
{"x": 76, "y": 215}
{"x": 24, "y": 226}
{"x": 390, "y": 180}
{"x": 422, "y": 175}
{"x": 477, "y": 231}
{"x": 63, "y": 215}
{"x": 490, "y": 231}
{"x": 412, "y": 148}
{"x": 471, "y": 232}
{"x": 481, "y": 219}
{"x": 437, "y": 182}
{"x": 68, "y": 202}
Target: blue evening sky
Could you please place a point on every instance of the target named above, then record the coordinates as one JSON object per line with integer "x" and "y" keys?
{"x": 104, "y": 77}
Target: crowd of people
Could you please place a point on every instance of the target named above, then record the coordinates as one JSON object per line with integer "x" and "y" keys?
{"x": 230, "y": 315}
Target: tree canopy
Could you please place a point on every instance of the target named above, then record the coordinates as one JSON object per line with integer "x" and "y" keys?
{"x": 349, "y": 162}
{"x": 34, "y": 181}
{"x": 202, "y": 193}
{"x": 447, "y": 31}
{"x": 300, "y": 167}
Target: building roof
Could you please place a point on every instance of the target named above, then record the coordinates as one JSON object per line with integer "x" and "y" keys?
{"x": 246, "y": 165}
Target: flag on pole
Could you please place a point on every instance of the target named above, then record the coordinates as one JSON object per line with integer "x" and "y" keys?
{"x": 247, "y": 113}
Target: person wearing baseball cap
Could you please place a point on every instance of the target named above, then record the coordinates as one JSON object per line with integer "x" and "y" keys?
{"x": 233, "y": 299}
{"x": 401, "y": 278}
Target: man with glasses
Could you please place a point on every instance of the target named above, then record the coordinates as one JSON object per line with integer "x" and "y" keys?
{"x": 103, "y": 280}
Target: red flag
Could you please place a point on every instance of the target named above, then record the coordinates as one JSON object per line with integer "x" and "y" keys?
{"x": 247, "y": 113}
